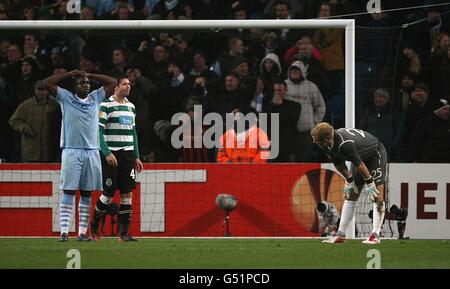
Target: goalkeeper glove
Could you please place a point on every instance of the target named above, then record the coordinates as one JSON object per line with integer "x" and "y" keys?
{"x": 371, "y": 189}
{"x": 350, "y": 188}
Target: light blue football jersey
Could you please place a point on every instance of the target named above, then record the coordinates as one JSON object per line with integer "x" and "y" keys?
{"x": 79, "y": 128}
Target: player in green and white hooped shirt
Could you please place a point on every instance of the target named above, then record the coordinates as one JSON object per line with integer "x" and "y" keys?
{"x": 120, "y": 157}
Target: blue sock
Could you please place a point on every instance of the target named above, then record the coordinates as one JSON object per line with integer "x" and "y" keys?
{"x": 84, "y": 211}
{"x": 65, "y": 212}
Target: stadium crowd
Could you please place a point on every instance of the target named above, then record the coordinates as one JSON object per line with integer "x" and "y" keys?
{"x": 230, "y": 70}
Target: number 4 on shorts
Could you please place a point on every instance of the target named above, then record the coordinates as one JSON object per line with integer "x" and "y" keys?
{"x": 132, "y": 175}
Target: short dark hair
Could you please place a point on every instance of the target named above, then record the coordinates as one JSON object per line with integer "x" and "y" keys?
{"x": 122, "y": 49}
{"x": 283, "y": 2}
{"x": 120, "y": 78}
{"x": 234, "y": 74}
{"x": 332, "y": 7}
{"x": 280, "y": 82}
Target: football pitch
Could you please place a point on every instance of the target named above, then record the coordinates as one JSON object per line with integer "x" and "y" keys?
{"x": 185, "y": 253}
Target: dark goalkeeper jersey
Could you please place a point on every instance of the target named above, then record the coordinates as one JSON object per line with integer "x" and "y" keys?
{"x": 352, "y": 145}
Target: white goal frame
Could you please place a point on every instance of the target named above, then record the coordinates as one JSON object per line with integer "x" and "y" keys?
{"x": 215, "y": 25}
{"x": 347, "y": 24}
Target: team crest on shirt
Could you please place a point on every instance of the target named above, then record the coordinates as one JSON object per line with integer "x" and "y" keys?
{"x": 102, "y": 114}
{"x": 108, "y": 182}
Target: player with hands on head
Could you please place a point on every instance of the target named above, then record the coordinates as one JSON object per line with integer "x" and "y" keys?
{"x": 80, "y": 158}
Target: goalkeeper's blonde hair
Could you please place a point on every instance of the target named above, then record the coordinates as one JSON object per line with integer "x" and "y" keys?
{"x": 322, "y": 131}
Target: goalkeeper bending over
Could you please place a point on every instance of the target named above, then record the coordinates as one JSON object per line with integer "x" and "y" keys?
{"x": 120, "y": 157}
{"x": 368, "y": 169}
{"x": 80, "y": 159}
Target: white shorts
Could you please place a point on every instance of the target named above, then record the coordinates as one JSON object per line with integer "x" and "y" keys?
{"x": 81, "y": 169}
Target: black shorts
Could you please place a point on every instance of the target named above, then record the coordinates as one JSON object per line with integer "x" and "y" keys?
{"x": 376, "y": 166}
{"x": 122, "y": 177}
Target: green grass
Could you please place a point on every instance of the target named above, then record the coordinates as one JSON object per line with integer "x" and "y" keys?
{"x": 222, "y": 253}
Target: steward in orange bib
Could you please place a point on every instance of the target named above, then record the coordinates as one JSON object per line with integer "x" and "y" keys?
{"x": 249, "y": 145}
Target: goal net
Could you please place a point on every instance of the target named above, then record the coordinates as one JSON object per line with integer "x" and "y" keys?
{"x": 171, "y": 199}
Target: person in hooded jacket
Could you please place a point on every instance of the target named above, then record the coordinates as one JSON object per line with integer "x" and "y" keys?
{"x": 305, "y": 92}
{"x": 269, "y": 72}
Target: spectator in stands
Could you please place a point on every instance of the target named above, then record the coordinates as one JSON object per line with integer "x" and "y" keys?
{"x": 207, "y": 9}
{"x": 441, "y": 42}
{"x": 438, "y": 54}
{"x": 4, "y": 45}
{"x": 283, "y": 11}
{"x": 374, "y": 57}
{"x": 200, "y": 67}
{"x": 420, "y": 107}
{"x": 241, "y": 66}
{"x": 31, "y": 44}
{"x": 122, "y": 11}
{"x": 445, "y": 74}
{"x": 106, "y": 6}
{"x": 87, "y": 13}
{"x": 177, "y": 87}
{"x": 403, "y": 98}
{"x": 57, "y": 11}
{"x": 119, "y": 61}
{"x": 164, "y": 151}
{"x": 288, "y": 112}
{"x": 223, "y": 64}
{"x": 171, "y": 10}
{"x": 305, "y": 51}
{"x": 29, "y": 13}
{"x": 181, "y": 49}
{"x": 270, "y": 45}
{"x": 413, "y": 61}
{"x": 12, "y": 70}
{"x": 3, "y": 12}
{"x": 260, "y": 101}
{"x": 58, "y": 58}
{"x": 329, "y": 43}
{"x": 90, "y": 62}
{"x": 384, "y": 122}
{"x": 234, "y": 95}
{"x": 206, "y": 93}
{"x": 305, "y": 92}
{"x": 37, "y": 120}
{"x": 289, "y": 8}
{"x": 425, "y": 32}
{"x": 30, "y": 74}
{"x": 430, "y": 139}
{"x": 144, "y": 96}
{"x": 159, "y": 64}
{"x": 197, "y": 152}
{"x": 269, "y": 70}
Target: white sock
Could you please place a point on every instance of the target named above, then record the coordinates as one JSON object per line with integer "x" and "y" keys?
{"x": 84, "y": 211}
{"x": 65, "y": 212}
{"x": 378, "y": 216}
{"x": 348, "y": 211}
